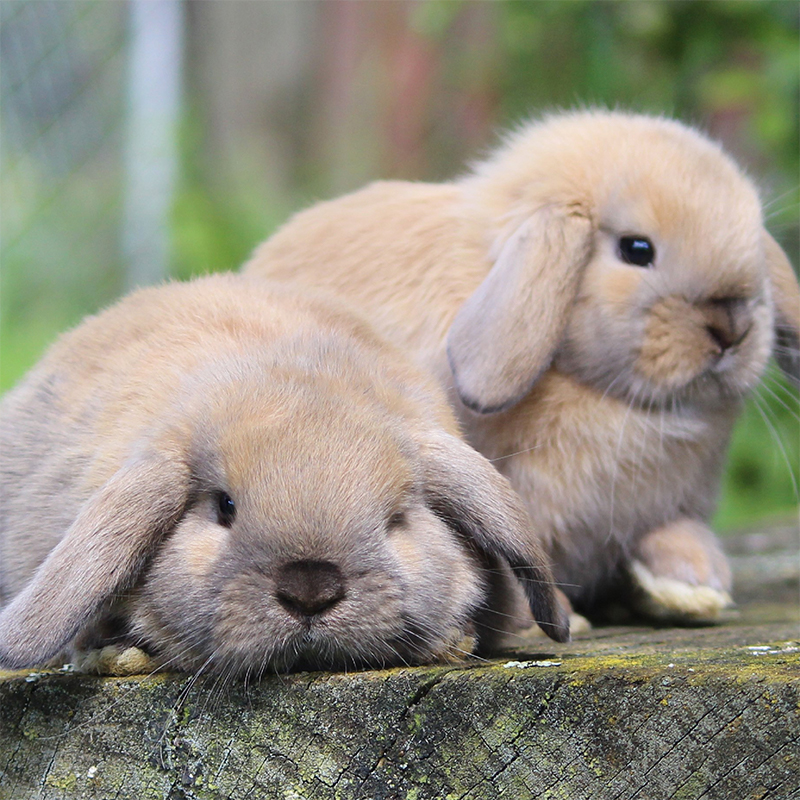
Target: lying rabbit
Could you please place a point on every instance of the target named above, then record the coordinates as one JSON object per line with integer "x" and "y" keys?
{"x": 598, "y": 295}
{"x": 239, "y": 478}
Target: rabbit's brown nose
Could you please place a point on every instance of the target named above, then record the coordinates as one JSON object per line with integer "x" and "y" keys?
{"x": 728, "y": 321}
{"x": 309, "y": 587}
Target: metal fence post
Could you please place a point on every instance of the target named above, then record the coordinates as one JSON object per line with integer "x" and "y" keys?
{"x": 151, "y": 136}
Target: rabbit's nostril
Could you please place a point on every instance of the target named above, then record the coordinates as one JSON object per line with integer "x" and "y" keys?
{"x": 727, "y": 322}
{"x": 309, "y": 588}
{"x": 722, "y": 337}
{"x": 726, "y": 338}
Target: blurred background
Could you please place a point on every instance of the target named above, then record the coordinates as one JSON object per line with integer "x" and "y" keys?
{"x": 140, "y": 140}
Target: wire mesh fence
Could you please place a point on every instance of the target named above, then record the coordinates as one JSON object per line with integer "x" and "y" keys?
{"x": 68, "y": 187}
{"x": 63, "y": 70}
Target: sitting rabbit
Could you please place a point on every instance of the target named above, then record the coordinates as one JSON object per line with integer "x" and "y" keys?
{"x": 598, "y": 296}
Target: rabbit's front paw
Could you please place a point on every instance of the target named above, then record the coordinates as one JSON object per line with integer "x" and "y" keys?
{"x": 680, "y": 574}
{"x": 116, "y": 660}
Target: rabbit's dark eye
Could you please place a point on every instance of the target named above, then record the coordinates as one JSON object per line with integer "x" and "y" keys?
{"x": 637, "y": 250}
{"x": 397, "y": 520}
{"x": 226, "y": 510}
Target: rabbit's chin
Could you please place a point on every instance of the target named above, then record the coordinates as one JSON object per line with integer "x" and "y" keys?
{"x": 708, "y": 390}
{"x": 703, "y": 381}
{"x": 318, "y": 654}
{"x": 311, "y": 650}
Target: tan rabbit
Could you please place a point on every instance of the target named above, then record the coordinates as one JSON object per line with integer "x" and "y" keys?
{"x": 598, "y": 296}
{"x": 239, "y": 478}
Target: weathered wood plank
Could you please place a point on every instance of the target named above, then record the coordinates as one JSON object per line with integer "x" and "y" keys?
{"x": 621, "y": 713}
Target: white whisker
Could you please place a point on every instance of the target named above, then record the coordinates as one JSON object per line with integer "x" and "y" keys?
{"x": 777, "y": 438}
{"x": 780, "y": 402}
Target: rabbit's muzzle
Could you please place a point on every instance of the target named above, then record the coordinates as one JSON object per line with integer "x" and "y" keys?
{"x": 685, "y": 340}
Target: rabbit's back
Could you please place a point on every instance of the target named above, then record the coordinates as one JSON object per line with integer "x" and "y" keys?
{"x": 407, "y": 255}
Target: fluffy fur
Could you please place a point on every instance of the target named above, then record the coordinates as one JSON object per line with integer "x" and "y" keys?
{"x": 604, "y": 390}
{"x": 239, "y": 478}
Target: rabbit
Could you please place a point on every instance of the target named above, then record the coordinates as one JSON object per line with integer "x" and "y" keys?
{"x": 597, "y": 296}
{"x": 238, "y": 478}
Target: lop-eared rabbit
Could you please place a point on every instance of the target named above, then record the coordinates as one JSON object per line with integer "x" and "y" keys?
{"x": 598, "y": 296}
{"x": 239, "y": 478}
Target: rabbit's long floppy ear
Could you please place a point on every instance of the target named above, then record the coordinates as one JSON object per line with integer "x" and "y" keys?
{"x": 465, "y": 491}
{"x": 102, "y": 553}
{"x": 786, "y": 296}
{"x": 506, "y": 333}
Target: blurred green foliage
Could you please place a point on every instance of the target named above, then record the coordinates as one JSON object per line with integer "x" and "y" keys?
{"x": 761, "y": 478}
{"x": 730, "y": 66}
{"x": 46, "y": 285}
